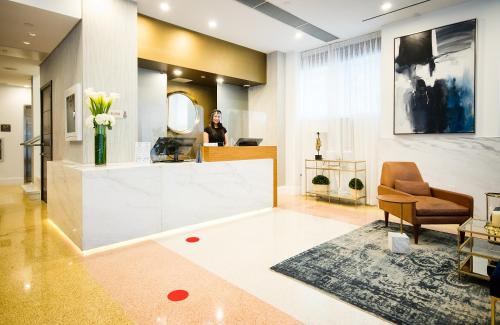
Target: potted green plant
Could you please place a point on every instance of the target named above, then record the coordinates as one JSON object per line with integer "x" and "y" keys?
{"x": 356, "y": 186}
{"x": 321, "y": 184}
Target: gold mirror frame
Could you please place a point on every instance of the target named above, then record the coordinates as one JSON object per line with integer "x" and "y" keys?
{"x": 197, "y": 112}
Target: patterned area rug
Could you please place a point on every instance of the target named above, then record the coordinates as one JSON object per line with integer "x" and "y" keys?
{"x": 419, "y": 288}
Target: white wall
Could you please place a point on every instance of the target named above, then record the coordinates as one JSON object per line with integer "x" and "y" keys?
{"x": 12, "y": 101}
{"x": 266, "y": 107}
{"x": 292, "y": 125}
{"x": 152, "y": 106}
{"x": 100, "y": 53}
{"x": 35, "y": 95}
{"x": 64, "y": 68}
{"x": 463, "y": 163}
{"x": 109, "y": 38}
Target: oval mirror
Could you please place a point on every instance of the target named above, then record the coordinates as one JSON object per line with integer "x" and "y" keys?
{"x": 182, "y": 113}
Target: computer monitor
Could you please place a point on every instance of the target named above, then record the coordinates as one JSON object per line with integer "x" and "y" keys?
{"x": 168, "y": 149}
{"x": 244, "y": 142}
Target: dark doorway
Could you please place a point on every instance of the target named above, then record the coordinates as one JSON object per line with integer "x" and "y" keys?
{"x": 28, "y": 150}
{"x": 46, "y": 134}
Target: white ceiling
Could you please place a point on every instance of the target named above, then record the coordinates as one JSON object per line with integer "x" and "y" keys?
{"x": 245, "y": 26}
{"x": 19, "y": 61}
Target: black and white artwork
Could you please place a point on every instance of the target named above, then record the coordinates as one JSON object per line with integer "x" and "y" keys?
{"x": 434, "y": 80}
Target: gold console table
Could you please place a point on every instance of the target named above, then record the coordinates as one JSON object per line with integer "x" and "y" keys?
{"x": 339, "y": 173}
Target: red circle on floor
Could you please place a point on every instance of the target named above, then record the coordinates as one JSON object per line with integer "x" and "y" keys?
{"x": 177, "y": 295}
{"x": 192, "y": 239}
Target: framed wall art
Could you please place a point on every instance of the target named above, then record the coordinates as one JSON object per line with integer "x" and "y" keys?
{"x": 434, "y": 80}
{"x": 73, "y": 112}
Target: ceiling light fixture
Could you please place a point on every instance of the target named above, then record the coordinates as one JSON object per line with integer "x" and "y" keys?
{"x": 203, "y": 77}
{"x": 386, "y": 6}
{"x": 219, "y": 80}
{"x": 212, "y": 24}
{"x": 177, "y": 72}
{"x": 298, "y": 35}
{"x": 246, "y": 85}
{"x": 31, "y": 34}
{"x": 26, "y": 43}
{"x": 164, "y": 6}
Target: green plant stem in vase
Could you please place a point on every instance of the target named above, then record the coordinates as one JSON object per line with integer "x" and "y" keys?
{"x": 99, "y": 119}
{"x": 100, "y": 145}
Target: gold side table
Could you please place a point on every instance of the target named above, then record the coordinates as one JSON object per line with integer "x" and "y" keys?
{"x": 477, "y": 242}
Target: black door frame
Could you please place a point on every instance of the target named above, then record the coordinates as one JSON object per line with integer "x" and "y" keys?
{"x": 42, "y": 174}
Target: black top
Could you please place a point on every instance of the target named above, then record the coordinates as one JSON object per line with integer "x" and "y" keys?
{"x": 216, "y": 135}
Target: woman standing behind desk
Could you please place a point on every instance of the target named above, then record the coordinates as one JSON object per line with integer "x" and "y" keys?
{"x": 215, "y": 132}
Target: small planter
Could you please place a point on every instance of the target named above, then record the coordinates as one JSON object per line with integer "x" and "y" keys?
{"x": 321, "y": 184}
{"x": 356, "y": 186}
{"x": 356, "y": 193}
{"x": 321, "y": 188}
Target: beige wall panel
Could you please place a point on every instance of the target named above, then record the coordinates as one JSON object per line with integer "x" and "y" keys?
{"x": 167, "y": 43}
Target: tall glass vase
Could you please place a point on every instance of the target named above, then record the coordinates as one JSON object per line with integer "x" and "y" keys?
{"x": 100, "y": 145}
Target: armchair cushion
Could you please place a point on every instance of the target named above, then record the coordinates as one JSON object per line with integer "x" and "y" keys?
{"x": 413, "y": 187}
{"x": 431, "y": 206}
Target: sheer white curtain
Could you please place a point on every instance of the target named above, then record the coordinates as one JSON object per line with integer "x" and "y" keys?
{"x": 339, "y": 96}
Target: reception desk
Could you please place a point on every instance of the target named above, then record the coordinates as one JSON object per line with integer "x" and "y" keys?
{"x": 99, "y": 206}
{"x": 212, "y": 154}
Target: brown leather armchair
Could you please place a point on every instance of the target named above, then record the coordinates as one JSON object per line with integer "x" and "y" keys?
{"x": 441, "y": 207}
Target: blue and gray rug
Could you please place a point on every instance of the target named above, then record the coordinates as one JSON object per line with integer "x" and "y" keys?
{"x": 419, "y": 288}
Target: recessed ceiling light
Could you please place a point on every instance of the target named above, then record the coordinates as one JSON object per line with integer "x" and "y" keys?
{"x": 203, "y": 77}
{"x": 212, "y": 24}
{"x": 219, "y": 80}
{"x": 177, "y": 72}
{"x": 386, "y": 6}
{"x": 31, "y": 34}
{"x": 246, "y": 85}
{"x": 164, "y": 6}
{"x": 298, "y": 35}
{"x": 26, "y": 43}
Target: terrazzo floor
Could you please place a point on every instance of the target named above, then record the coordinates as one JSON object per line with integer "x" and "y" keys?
{"x": 225, "y": 273}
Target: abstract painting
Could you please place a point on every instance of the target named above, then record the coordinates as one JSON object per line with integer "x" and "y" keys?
{"x": 434, "y": 80}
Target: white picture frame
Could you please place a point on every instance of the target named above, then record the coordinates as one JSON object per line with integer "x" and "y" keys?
{"x": 73, "y": 113}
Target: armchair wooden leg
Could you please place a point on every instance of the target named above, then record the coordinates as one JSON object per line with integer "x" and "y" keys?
{"x": 386, "y": 215}
{"x": 462, "y": 237}
{"x": 416, "y": 230}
